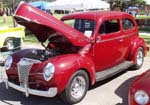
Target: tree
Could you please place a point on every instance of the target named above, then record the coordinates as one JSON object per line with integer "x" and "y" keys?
{"x": 8, "y": 3}
{"x": 125, "y": 3}
{"x": 12, "y": 4}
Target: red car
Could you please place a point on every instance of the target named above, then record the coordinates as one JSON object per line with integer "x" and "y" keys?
{"x": 78, "y": 51}
{"x": 140, "y": 90}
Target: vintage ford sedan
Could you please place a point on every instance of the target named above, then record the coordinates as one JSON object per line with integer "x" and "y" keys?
{"x": 78, "y": 50}
{"x": 140, "y": 90}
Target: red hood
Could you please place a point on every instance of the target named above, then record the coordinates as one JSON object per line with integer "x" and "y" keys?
{"x": 42, "y": 25}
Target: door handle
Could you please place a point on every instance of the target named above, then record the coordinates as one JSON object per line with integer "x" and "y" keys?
{"x": 98, "y": 39}
{"x": 121, "y": 40}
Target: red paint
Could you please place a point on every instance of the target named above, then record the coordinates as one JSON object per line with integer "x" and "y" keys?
{"x": 96, "y": 53}
{"x": 140, "y": 83}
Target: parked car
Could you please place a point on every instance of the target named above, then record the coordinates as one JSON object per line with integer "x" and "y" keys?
{"x": 140, "y": 90}
{"x": 10, "y": 38}
{"x": 96, "y": 46}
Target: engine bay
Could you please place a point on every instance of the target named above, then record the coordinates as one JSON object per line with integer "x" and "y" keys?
{"x": 56, "y": 45}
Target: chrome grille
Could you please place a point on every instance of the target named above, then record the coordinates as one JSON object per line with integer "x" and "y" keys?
{"x": 24, "y": 66}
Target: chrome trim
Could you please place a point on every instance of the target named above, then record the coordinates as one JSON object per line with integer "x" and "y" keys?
{"x": 51, "y": 92}
{"x": 123, "y": 36}
{"x": 24, "y": 67}
{"x": 78, "y": 87}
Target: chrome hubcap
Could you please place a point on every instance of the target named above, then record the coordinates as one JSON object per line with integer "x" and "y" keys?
{"x": 78, "y": 87}
{"x": 139, "y": 58}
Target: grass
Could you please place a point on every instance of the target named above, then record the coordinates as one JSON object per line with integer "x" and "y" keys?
{"x": 146, "y": 29}
{"x": 32, "y": 39}
{"x": 58, "y": 16}
{"x": 29, "y": 38}
{"x": 143, "y": 17}
{"x": 9, "y": 22}
{"x": 147, "y": 40}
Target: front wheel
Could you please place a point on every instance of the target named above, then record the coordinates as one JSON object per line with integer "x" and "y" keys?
{"x": 76, "y": 88}
{"x": 139, "y": 59}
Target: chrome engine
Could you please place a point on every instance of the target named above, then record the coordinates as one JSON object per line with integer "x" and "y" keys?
{"x": 42, "y": 55}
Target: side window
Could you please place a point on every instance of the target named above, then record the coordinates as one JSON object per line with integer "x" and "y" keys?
{"x": 127, "y": 24}
{"x": 109, "y": 26}
{"x": 82, "y": 25}
{"x": 85, "y": 26}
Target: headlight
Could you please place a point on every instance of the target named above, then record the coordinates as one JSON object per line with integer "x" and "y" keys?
{"x": 48, "y": 71}
{"x": 141, "y": 97}
{"x": 8, "y": 62}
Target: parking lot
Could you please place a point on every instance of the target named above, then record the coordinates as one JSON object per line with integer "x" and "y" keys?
{"x": 113, "y": 91}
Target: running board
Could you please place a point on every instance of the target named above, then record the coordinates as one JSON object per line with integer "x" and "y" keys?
{"x": 101, "y": 75}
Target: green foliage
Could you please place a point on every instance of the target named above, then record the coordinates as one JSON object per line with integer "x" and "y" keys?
{"x": 9, "y": 22}
{"x": 30, "y": 39}
{"x": 125, "y": 3}
{"x": 147, "y": 40}
{"x": 10, "y": 3}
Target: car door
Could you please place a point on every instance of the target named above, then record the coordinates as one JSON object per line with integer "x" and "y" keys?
{"x": 108, "y": 47}
{"x": 129, "y": 32}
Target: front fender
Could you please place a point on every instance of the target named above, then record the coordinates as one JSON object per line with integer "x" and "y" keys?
{"x": 138, "y": 42}
{"x": 69, "y": 64}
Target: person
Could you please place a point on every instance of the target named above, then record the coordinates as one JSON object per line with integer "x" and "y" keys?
{"x": 4, "y": 16}
{"x": 1, "y": 14}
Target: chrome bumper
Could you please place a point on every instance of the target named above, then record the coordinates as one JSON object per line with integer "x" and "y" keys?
{"x": 50, "y": 93}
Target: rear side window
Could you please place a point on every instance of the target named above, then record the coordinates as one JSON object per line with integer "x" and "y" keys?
{"x": 109, "y": 26}
{"x": 127, "y": 24}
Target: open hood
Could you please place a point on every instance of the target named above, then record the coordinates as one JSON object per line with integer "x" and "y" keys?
{"x": 42, "y": 25}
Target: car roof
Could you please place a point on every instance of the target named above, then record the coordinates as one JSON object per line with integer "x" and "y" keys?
{"x": 94, "y": 15}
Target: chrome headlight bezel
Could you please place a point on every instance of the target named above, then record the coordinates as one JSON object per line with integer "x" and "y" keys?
{"x": 141, "y": 97}
{"x": 48, "y": 71}
{"x": 8, "y": 62}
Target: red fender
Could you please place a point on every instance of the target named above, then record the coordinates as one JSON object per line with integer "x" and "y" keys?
{"x": 69, "y": 64}
{"x": 138, "y": 42}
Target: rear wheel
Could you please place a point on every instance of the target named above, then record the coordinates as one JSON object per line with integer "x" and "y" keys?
{"x": 139, "y": 59}
{"x": 76, "y": 88}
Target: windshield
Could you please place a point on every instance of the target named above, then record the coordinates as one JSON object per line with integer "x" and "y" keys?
{"x": 85, "y": 26}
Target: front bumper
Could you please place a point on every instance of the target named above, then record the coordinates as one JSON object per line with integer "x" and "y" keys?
{"x": 50, "y": 93}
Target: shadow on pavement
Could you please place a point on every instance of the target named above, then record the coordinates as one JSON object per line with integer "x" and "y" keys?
{"x": 100, "y": 83}
{"x": 6, "y": 96}
{"x": 123, "y": 90}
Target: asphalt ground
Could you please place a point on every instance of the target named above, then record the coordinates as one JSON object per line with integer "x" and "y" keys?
{"x": 112, "y": 91}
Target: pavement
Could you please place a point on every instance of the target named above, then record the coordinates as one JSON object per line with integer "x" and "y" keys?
{"x": 112, "y": 91}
